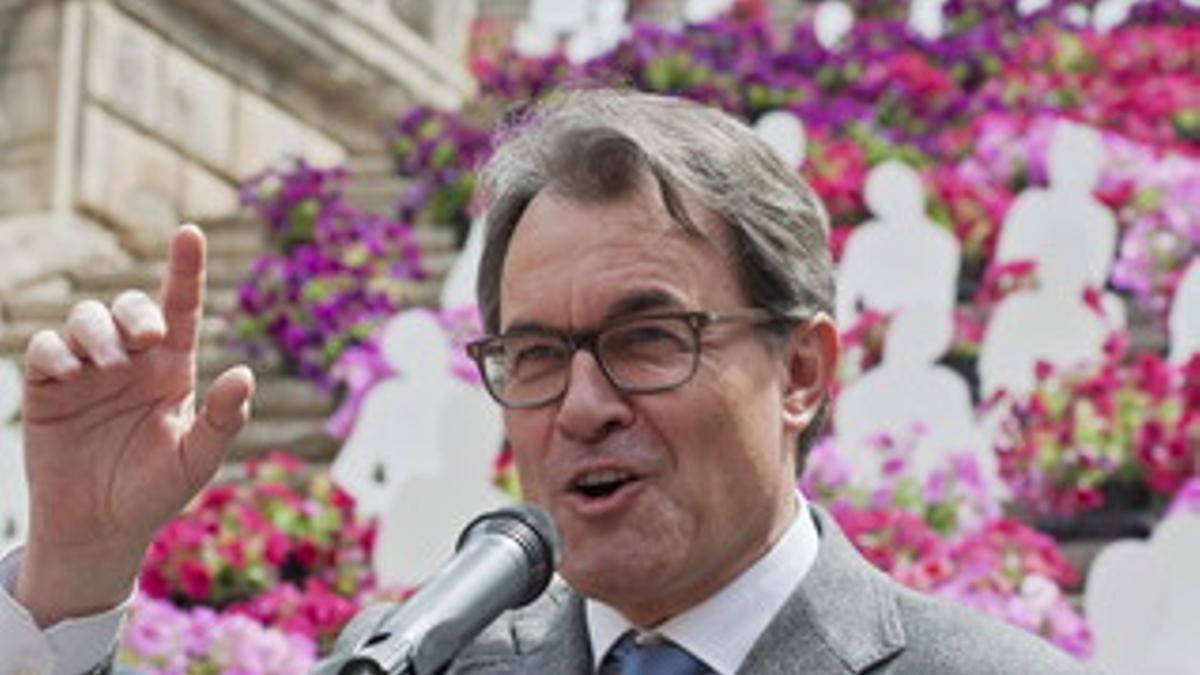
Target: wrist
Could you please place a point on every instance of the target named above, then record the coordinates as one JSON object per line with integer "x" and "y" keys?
{"x": 56, "y": 583}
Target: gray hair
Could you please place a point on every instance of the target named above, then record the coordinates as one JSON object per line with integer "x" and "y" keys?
{"x": 601, "y": 145}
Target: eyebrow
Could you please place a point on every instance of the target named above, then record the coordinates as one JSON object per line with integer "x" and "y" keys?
{"x": 640, "y": 301}
{"x": 636, "y": 302}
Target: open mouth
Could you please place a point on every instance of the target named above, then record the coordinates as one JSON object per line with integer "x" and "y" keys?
{"x": 602, "y": 483}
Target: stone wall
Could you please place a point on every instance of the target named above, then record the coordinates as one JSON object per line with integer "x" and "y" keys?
{"x": 29, "y": 47}
{"x": 121, "y": 118}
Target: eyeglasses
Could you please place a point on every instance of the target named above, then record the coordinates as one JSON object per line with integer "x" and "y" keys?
{"x": 644, "y": 354}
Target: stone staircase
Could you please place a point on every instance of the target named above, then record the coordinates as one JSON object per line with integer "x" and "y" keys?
{"x": 288, "y": 412}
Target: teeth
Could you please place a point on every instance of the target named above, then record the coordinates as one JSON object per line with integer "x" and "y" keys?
{"x": 604, "y": 477}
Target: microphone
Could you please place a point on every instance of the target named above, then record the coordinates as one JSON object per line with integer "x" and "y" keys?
{"x": 504, "y": 559}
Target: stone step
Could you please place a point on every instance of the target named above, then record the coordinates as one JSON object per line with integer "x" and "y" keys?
{"x": 244, "y": 242}
{"x": 53, "y": 311}
{"x": 433, "y": 239}
{"x": 147, "y": 275}
{"x": 230, "y": 272}
{"x": 244, "y": 228}
{"x": 380, "y": 197}
{"x": 374, "y": 164}
{"x": 438, "y": 264}
{"x": 303, "y": 438}
{"x": 215, "y": 357}
{"x": 278, "y": 397}
{"x": 15, "y": 336}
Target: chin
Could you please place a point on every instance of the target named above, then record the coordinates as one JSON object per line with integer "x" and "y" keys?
{"x": 625, "y": 566}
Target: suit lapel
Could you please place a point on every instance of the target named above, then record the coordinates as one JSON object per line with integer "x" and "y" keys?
{"x": 842, "y": 618}
{"x": 555, "y": 641}
{"x": 546, "y": 638}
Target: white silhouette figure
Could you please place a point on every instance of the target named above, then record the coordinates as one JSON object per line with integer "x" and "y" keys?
{"x": 832, "y": 21}
{"x": 547, "y": 23}
{"x": 900, "y": 259}
{"x": 428, "y": 512}
{"x": 1074, "y": 163}
{"x": 909, "y": 391}
{"x": 589, "y": 28}
{"x": 1109, "y": 14}
{"x": 1050, "y": 324}
{"x": 395, "y": 435}
{"x": 424, "y": 511}
{"x": 1141, "y": 599}
{"x": 14, "y": 495}
{"x": 784, "y": 133}
{"x": 1184, "y": 321}
{"x": 603, "y": 30}
{"x": 925, "y": 18}
{"x": 697, "y": 11}
{"x": 1025, "y": 7}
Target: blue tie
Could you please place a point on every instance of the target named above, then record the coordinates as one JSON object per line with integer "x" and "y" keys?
{"x": 657, "y": 656}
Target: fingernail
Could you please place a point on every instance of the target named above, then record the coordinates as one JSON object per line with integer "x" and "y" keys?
{"x": 66, "y": 363}
{"x": 147, "y": 325}
{"x": 111, "y": 356}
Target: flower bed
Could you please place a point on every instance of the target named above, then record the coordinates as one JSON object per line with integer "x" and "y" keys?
{"x": 973, "y": 113}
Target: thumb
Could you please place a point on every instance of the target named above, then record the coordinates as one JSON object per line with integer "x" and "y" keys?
{"x": 226, "y": 409}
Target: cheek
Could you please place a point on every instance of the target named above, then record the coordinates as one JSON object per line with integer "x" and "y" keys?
{"x": 738, "y": 445}
{"x": 524, "y": 430}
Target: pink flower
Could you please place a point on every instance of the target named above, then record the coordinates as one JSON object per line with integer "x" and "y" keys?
{"x": 1187, "y": 499}
{"x": 196, "y": 580}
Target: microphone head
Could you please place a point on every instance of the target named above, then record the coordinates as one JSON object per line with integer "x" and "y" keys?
{"x": 534, "y": 531}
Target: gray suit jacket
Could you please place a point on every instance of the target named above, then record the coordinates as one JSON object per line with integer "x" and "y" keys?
{"x": 845, "y": 617}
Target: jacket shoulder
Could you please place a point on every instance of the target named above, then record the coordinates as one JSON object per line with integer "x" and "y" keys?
{"x": 942, "y": 637}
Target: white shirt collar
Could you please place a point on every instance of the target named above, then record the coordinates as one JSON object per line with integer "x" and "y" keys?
{"x": 754, "y": 597}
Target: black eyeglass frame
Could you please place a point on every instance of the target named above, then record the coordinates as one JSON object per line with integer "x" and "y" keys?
{"x": 588, "y": 340}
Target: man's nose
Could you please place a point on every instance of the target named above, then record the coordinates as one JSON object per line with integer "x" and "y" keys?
{"x": 592, "y": 407}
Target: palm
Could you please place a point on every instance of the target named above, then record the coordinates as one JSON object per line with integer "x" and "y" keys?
{"x": 113, "y": 464}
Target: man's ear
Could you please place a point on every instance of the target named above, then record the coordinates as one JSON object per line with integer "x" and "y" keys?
{"x": 811, "y": 360}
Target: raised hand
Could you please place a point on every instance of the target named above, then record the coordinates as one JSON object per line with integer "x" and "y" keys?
{"x": 114, "y": 446}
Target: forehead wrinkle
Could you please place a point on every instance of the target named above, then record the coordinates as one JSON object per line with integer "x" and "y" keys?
{"x": 647, "y": 222}
{"x": 636, "y": 301}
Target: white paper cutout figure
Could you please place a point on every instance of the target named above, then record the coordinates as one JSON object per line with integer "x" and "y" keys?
{"x": 697, "y": 11}
{"x": 424, "y": 512}
{"x": 901, "y": 258}
{"x": 395, "y": 436}
{"x": 925, "y": 18}
{"x": 832, "y": 21}
{"x": 1141, "y": 600}
{"x": 1184, "y": 320}
{"x": 547, "y": 23}
{"x": 14, "y": 495}
{"x": 784, "y": 133}
{"x": 1050, "y": 324}
{"x": 909, "y": 390}
{"x": 589, "y": 28}
{"x": 428, "y": 512}
{"x": 1109, "y": 14}
{"x": 1074, "y": 162}
{"x": 604, "y": 29}
{"x": 1078, "y": 15}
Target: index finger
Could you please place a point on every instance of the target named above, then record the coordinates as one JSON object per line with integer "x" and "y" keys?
{"x": 182, "y": 293}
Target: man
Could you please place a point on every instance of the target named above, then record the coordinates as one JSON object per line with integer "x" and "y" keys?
{"x": 657, "y": 289}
